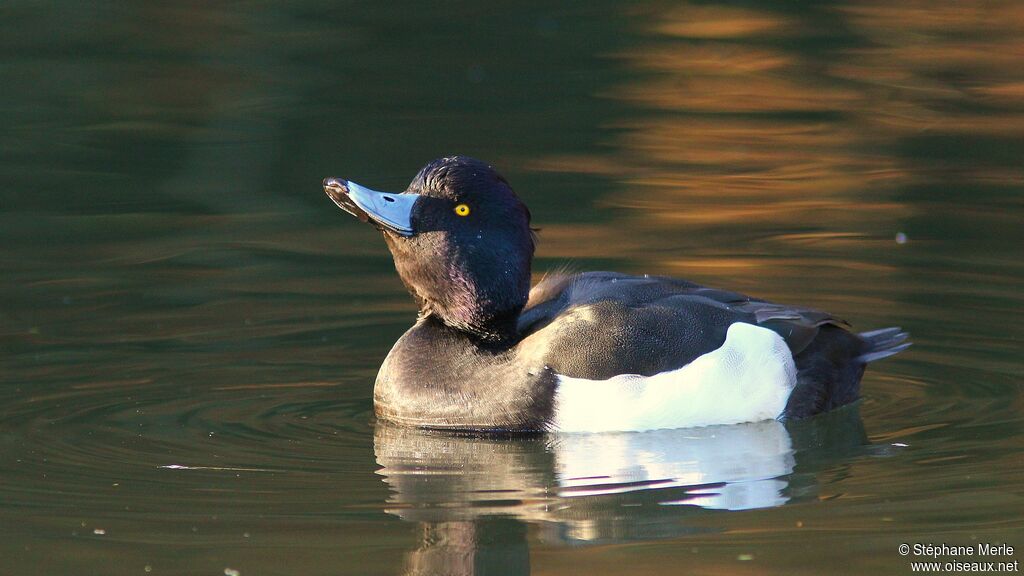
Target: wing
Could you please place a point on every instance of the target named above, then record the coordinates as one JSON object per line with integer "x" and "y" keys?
{"x": 600, "y": 324}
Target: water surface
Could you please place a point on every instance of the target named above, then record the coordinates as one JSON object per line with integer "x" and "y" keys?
{"x": 189, "y": 329}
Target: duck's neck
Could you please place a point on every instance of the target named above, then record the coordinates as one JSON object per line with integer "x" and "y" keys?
{"x": 492, "y": 331}
{"x": 481, "y": 302}
{"x": 474, "y": 284}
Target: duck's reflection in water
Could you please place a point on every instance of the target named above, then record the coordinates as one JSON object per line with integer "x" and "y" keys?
{"x": 474, "y": 495}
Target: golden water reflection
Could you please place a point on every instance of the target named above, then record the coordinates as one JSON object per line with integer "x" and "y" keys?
{"x": 740, "y": 122}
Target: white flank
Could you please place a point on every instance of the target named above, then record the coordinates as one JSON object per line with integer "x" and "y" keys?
{"x": 748, "y": 379}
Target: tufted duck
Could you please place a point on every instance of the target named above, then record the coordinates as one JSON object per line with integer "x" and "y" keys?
{"x": 596, "y": 351}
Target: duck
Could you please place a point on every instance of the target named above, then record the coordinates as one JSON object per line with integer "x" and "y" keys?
{"x": 587, "y": 351}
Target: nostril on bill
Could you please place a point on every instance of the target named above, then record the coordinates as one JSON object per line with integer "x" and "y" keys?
{"x": 389, "y": 199}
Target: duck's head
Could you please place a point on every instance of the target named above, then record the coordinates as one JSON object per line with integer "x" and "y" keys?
{"x": 461, "y": 241}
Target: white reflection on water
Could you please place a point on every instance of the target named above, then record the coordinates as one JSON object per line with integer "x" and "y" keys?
{"x": 741, "y": 463}
{"x": 581, "y": 483}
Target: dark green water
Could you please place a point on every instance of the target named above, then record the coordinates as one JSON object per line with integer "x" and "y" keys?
{"x": 189, "y": 329}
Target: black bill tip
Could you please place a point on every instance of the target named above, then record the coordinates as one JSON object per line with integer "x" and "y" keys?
{"x": 337, "y": 190}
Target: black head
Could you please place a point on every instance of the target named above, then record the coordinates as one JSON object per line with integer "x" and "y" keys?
{"x": 461, "y": 241}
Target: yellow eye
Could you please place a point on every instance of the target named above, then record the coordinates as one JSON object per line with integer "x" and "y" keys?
{"x": 462, "y": 210}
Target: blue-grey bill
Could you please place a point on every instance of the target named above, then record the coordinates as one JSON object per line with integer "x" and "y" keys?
{"x": 390, "y": 211}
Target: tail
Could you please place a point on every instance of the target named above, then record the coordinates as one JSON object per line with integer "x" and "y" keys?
{"x": 883, "y": 343}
